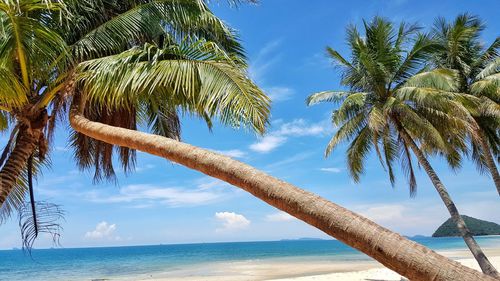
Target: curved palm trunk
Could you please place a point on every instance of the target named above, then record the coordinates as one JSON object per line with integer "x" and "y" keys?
{"x": 26, "y": 142}
{"x": 391, "y": 249}
{"x": 490, "y": 162}
{"x": 480, "y": 257}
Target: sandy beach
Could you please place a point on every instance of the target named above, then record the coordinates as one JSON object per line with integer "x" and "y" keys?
{"x": 304, "y": 270}
{"x": 378, "y": 274}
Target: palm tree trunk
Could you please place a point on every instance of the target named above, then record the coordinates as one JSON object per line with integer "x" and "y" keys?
{"x": 25, "y": 145}
{"x": 490, "y": 162}
{"x": 391, "y": 249}
{"x": 478, "y": 254}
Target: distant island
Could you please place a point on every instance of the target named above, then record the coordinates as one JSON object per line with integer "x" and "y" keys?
{"x": 418, "y": 236}
{"x": 303, "y": 239}
{"x": 477, "y": 227}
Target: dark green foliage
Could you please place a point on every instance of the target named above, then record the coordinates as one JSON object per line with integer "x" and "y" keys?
{"x": 477, "y": 227}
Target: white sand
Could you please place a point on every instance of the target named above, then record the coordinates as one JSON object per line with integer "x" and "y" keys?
{"x": 301, "y": 270}
{"x": 385, "y": 274}
{"x": 379, "y": 274}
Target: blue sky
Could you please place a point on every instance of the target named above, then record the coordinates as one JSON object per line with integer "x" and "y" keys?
{"x": 285, "y": 41}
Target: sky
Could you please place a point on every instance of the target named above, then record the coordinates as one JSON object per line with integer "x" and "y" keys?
{"x": 164, "y": 203}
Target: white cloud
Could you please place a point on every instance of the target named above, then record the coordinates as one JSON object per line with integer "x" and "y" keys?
{"x": 233, "y": 153}
{"x": 290, "y": 160}
{"x": 231, "y": 221}
{"x": 277, "y": 94}
{"x": 331, "y": 170}
{"x": 279, "y": 217}
{"x": 267, "y": 143}
{"x": 103, "y": 230}
{"x": 261, "y": 64}
{"x": 264, "y": 60}
{"x": 300, "y": 128}
{"x": 295, "y": 128}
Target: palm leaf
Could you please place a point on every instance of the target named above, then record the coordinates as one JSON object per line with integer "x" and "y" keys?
{"x": 202, "y": 82}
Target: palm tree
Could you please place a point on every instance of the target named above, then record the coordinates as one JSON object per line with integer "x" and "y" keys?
{"x": 43, "y": 42}
{"x": 152, "y": 82}
{"x": 391, "y": 249}
{"x": 392, "y": 106}
{"x": 460, "y": 48}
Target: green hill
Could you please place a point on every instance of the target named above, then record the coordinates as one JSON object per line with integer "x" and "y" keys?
{"x": 476, "y": 226}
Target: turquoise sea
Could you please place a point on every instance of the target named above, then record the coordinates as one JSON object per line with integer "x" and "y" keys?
{"x": 112, "y": 263}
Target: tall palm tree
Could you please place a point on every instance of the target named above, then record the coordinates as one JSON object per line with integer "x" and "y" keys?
{"x": 196, "y": 68}
{"x": 42, "y": 44}
{"x": 392, "y": 106}
{"x": 461, "y": 49}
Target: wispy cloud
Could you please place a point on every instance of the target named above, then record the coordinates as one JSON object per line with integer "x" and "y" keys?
{"x": 295, "y": 128}
{"x": 231, "y": 221}
{"x": 290, "y": 160}
{"x": 144, "y": 194}
{"x": 331, "y": 170}
{"x": 278, "y": 94}
{"x": 279, "y": 217}
{"x": 233, "y": 153}
{"x": 261, "y": 65}
{"x": 264, "y": 60}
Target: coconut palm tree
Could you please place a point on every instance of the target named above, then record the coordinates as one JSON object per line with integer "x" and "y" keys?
{"x": 43, "y": 42}
{"x": 395, "y": 108}
{"x": 193, "y": 71}
{"x": 478, "y": 71}
{"x": 391, "y": 249}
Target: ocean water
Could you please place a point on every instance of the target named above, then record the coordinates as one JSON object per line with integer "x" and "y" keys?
{"x": 112, "y": 263}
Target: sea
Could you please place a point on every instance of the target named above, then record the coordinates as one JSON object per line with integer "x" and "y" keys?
{"x": 113, "y": 263}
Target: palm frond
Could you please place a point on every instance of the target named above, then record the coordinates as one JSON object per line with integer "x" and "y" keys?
{"x": 407, "y": 167}
{"x": 196, "y": 78}
{"x": 90, "y": 153}
{"x": 357, "y": 152}
{"x": 338, "y": 58}
{"x": 351, "y": 106}
{"x": 390, "y": 147}
{"x": 421, "y": 51}
{"x": 35, "y": 59}
{"x": 162, "y": 120}
{"x": 346, "y": 132}
{"x": 13, "y": 94}
{"x": 327, "y": 96}
{"x": 48, "y": 220}
{"x": 146, "y": 22}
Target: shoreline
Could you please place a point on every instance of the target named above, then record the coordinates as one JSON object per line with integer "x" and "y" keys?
{"x": 301, "y": 269}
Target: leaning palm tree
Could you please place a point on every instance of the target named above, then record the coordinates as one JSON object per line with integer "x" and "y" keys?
{"x": 461, "y": 49}
{"x": 393, "y": 106}
{"x": 153, "y": 81}
{"x": 391, "y": 249}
